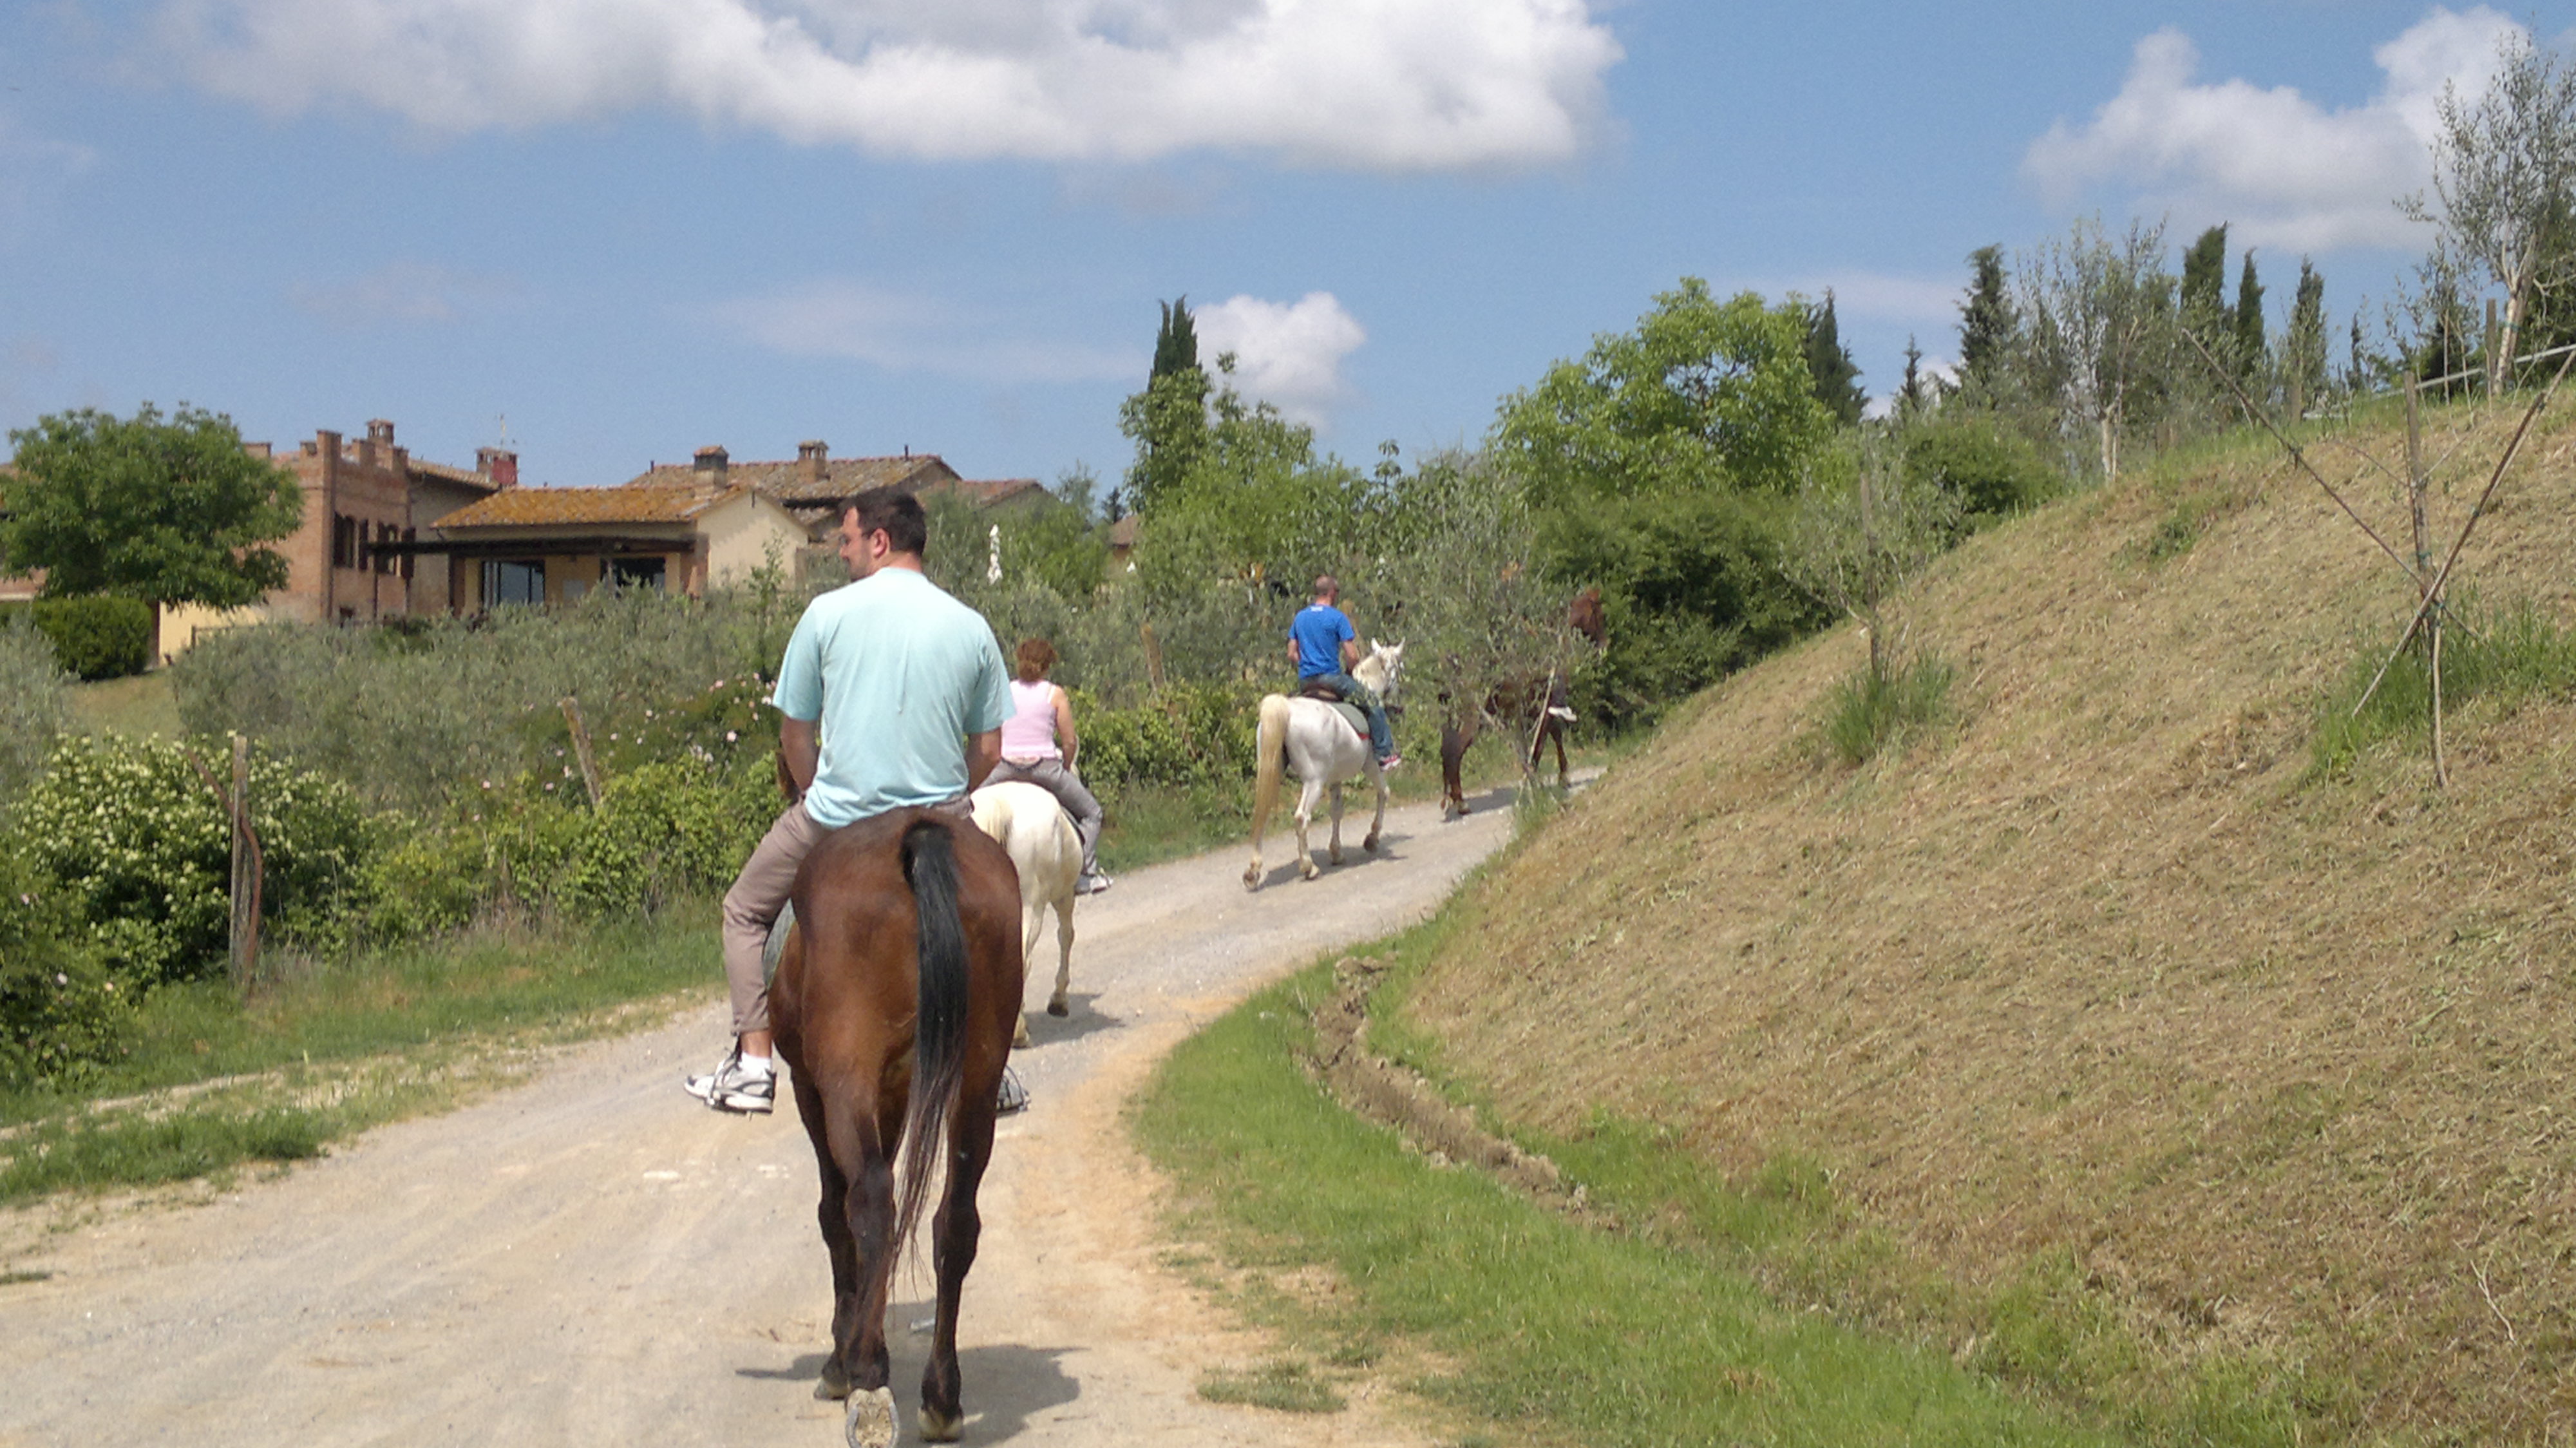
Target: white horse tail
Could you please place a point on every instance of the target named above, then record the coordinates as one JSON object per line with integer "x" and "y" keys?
{"x": 1270, "y": 761}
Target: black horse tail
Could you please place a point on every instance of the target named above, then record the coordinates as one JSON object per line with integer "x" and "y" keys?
{"x": 939, "y": 1021}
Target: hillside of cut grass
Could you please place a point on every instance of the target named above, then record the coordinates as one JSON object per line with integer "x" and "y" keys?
{"x": 2115, "y": 986}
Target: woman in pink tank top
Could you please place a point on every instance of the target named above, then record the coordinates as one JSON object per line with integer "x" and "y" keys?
{"x": 1039, "y": 746}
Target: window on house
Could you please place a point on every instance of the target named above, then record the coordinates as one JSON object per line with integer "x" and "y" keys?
{"x": 344, "y": 541}
{"x": 635, "y": 573}
{"x": 409, "y": 535}
{"x": 512, "y": 581}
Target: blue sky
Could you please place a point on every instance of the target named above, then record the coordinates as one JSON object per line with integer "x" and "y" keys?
{"x": 637, "y": 227}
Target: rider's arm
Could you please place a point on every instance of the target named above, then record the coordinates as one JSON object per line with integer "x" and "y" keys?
{"x": 800, "y": 744}
{"x": 983, "y": 751}
{"x": 1350, "y": 655}
{"x": 1066, "y": 741}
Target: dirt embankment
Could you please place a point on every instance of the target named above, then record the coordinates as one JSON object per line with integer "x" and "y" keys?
{"x": 2102, "y": 969}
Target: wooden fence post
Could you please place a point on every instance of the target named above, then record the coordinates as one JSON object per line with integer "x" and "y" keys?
{"x": 581, "y": 748}
{"x": 1153, "y": 656}
{"x": 247, "y": 871}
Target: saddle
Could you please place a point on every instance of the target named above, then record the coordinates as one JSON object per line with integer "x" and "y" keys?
{"x": 1316, "y": 688}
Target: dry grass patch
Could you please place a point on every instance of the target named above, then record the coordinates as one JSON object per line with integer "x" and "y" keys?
{"x": 2273, "y": 1065}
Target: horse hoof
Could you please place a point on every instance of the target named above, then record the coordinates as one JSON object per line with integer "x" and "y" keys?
{"x": 1020, "y": 1032}
{"x": 834, "y": 1387}
{"x": 1369, "y": 844}
{"x": 871, "y": 1422}
{"x": 938, "y": 1427}
{"x": 1059, "y": 1007}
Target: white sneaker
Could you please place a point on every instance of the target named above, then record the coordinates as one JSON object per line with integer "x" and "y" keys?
{"x": 1091, "y": 884}
{"x": 731, "y": 1087}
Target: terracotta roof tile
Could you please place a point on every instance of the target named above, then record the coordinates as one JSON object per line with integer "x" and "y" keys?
{"x": 629, "y": 503}
{"x": 785, "y": 482}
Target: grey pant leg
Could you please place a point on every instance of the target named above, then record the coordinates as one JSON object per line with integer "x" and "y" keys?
{"x": 752, "y": 906}
{"x": 1061, "y": 780}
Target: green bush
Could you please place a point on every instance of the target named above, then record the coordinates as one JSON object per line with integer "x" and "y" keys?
{"x": 35, "y": 704}
{"x": 61, "y": 1018}
{"x": 1188, "y": 735}
{"x": 137, "y": 842}
{"x": 95, "y": 636}
{"x": 1994, "y": 470}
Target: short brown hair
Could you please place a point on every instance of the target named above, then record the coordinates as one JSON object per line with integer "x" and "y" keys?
{"x": 1036, "y": 656}
{"x": 1327, "y": 586}
{"x": 896, "y": 514}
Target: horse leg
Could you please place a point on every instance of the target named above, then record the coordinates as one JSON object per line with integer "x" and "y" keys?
{"x": 1032, "y": 925}
{"x": 1337, "y": 824}
{"x": 1456, "y": 738}
{"x": 870, "y": 1421}
{"x": 1377, "y": 824}
{"x": 1058, "y": 1004}
{"x": 1306, "y": 798}
{"x": 956, "y": 1228}
{"x": 1556, "y": 731}
{"x": 837, "y": 1242}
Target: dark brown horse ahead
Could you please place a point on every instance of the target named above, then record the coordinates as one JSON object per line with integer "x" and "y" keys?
{"x": 894, "y": 1005}
{"x": 1535, "y": 703}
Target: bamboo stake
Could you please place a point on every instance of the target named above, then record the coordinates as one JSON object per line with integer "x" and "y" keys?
{"x": 2443, "y": 578}
{"x": 581, "y": 748}
{"x": 246, "y": 872}
{"x": 2292, "y": 449}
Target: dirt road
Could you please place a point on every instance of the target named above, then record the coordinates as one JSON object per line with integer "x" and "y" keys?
{"x": 594, "y": 1258}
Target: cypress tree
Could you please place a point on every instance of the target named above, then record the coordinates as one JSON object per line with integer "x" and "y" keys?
{"x": 2249, "y": 319}
{"x": 2204, "y": 283}
{"x": 1176, "y": 344}
{"x": 2306, "y": 344}
{"x": 1985, "y": 322}
{"x": 1914, "y": 394}
{"x": 1830, "y": 364}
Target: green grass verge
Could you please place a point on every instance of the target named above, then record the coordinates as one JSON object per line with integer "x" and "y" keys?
{"x": 215, "y": 1083}
{"x": 1538, "y": 1322}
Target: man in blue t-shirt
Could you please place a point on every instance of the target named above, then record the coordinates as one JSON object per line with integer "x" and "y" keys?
{"x": 1325, "y": 646}
{"x": 893, "y": 694}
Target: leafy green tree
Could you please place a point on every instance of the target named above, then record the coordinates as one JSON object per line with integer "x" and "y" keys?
{"x": 1830, "y": 363}
{"x": 1168, "y": 422}
{"x": 1986, "y": 325}
{"x": 2101, "y": 336}
{"x": 2504, "y": 166}
{"x": 1702, "y": 394}
{"x": 162, "y": 510}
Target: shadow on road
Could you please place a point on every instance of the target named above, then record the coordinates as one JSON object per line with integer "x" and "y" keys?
{"x": 1006, "y": 1385}
{"x": 1085, "y": 1020}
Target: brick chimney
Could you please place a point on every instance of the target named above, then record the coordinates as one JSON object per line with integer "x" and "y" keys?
{"x": 710, "y": 466}
{"x": 499, "y": 465}
{"x": 813, "y": 460}
{"x": 379, "y": 444}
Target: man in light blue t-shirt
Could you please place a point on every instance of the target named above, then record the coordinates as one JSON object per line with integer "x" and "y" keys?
{"x": 893, "y": 694}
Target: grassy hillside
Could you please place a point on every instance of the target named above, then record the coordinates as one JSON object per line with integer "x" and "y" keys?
{"x": 2108, "y": 982}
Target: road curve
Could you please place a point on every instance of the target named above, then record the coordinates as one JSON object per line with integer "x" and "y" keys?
{"x": 593, "y": 1258}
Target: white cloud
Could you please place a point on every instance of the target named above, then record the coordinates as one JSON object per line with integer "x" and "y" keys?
{"x": 397, "y": 293}
{"x": 2284, "y": 170}
{"x": 1288, "y": 354}
{"x": 905, "y": 332}
{"x": 1402, "y": 85}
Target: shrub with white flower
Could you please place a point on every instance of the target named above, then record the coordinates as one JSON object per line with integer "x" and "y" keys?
{"x": 136, "y": 842}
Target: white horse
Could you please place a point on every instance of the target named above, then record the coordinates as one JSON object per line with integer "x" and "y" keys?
{"x": 1312, "y": 738}
{"x": 1040, "y": 837}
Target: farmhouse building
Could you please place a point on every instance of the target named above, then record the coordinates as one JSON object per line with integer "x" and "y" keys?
{"x": 553, "y": 545}
{"x": 364, "y": 500}
{"x": 816, "y": 488}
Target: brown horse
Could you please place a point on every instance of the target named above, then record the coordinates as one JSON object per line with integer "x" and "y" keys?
{"x": 1537, "y": 703}
{"x": 894, "y": 1005}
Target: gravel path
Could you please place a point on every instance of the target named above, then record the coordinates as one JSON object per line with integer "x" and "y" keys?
{"x": 594, "y": 1258}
